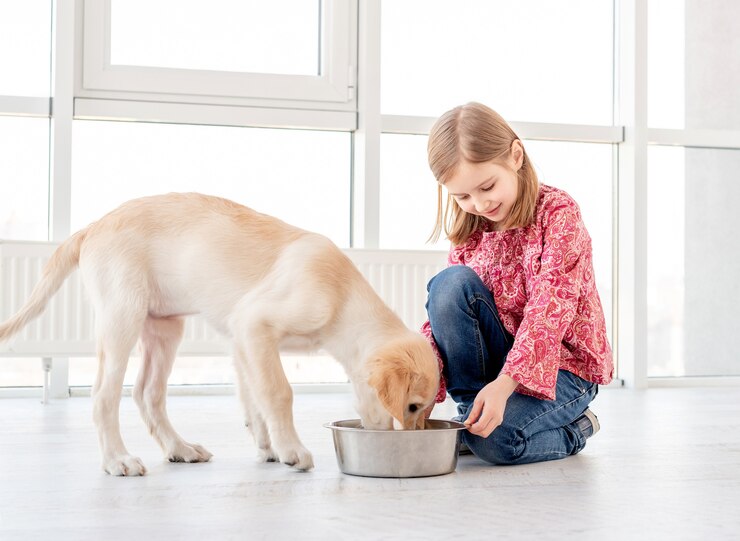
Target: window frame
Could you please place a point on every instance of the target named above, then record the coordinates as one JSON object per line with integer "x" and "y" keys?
{"x": 630, "y": 135}
{"x": 27, "y": 106}
{"x": 333, "y": 90}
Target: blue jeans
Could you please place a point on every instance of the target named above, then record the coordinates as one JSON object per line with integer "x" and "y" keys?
{"x": 474, "y": 343}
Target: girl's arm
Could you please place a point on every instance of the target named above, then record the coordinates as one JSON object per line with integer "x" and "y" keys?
{"x": 553, "y": 293}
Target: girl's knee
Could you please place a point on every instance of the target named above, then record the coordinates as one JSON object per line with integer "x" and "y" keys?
{"x": 451, "y": 286}
{"x": 501, "y": 447}
{"x": 455, "y": 277}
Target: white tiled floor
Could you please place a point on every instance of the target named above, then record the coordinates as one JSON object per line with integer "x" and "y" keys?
{"x": 666, "y": 465}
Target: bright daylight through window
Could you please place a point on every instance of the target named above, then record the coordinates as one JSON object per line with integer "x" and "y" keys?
{"x": 315, "y": 114}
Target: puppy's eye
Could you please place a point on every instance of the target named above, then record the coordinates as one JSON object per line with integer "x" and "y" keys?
{"x": 413, "y": 408}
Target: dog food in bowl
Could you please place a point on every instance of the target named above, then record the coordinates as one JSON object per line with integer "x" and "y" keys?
{"x": 396, "y": 453}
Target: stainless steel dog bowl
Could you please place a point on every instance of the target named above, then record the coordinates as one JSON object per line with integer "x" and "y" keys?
{"x": 396, "y": 453}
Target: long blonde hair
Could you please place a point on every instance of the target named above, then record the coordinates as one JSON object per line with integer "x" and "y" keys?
{"x": 475, "y": 133}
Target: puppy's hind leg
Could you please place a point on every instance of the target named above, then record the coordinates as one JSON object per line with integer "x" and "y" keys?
{"x": 159, "y": 340}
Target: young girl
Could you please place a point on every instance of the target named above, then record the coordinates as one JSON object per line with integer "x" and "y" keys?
{"x": 515, "y": 318}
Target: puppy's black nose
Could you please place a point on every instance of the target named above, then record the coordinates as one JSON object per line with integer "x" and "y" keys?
{"x": 413, "y": 408}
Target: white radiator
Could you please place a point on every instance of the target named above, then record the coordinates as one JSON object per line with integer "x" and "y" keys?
{"x": 66, "y": 328}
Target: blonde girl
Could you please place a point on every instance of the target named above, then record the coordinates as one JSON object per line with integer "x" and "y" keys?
{"x": 515, "y": 319}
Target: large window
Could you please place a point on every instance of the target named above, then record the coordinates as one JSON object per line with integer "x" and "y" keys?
{"x": 286, "y": 173}
{"x": 317, "y": 112}
{"x": 408, "y": 194}
{"x": 693, "y": 262}
{"x": 25, "y": 45}
{"x": 260, "y": 64}
{"x": 24, "y": 170}
{"x": 693, "y": 58}
{"x": 25, "y": 75}
{"x": 253, "y": 68}
{"x": 226, "y": 35}
{"x": 284, "y": 53}
{"x": 666, "y": 235}
{"x": 666, "y": 49}
{"x": 538, "y": 60}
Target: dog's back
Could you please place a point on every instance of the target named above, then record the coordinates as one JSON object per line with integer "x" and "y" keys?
{"x": 194, "y": 253}
{"x": 183, "y": 253}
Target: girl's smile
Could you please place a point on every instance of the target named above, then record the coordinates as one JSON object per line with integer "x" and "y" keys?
{"x": 493, "y": 212}
{"x": 487, "y": 189}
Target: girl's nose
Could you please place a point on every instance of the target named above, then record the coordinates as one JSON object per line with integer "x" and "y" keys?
{"x": 481, "y": 206}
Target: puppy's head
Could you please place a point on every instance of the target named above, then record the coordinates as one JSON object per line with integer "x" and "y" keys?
{"x": 405, "y": 377}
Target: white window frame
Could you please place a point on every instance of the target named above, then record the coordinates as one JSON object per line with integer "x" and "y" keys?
{"x": 332, "y": 90}
{"x": 630, "y": 136}
{"x": 25, "y": 106}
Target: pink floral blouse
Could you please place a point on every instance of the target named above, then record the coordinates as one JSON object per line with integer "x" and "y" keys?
{"x": 542, "y": 281}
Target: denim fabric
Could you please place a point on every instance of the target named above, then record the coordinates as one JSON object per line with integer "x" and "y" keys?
{"x": 473, "y": 344}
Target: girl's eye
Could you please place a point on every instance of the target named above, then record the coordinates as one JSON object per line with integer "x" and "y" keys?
{"x": 461, "y": 197}
{"x": 488, "y": 188}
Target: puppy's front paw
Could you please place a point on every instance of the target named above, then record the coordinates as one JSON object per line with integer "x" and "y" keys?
{"x": 267, "y": 455}
{"x": 189, "y": 452}
{"x": 300, "y": 458}
{"x": 125, "y": 466}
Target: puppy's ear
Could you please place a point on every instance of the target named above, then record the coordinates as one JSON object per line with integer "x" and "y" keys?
{"x": 390, "y": 379}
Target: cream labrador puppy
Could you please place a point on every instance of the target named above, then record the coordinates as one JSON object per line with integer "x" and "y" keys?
{"x": 267, "y": 285}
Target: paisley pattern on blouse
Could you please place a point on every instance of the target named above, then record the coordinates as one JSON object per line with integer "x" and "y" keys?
{"x": 543, "y": 284}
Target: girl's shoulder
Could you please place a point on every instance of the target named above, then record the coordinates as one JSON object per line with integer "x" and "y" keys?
{"x": 460, "y": 253}
{"x": 553, "y": 201}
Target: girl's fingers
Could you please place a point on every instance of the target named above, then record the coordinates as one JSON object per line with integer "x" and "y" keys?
{"x": 474, "y": 414}
{"x": 480, "y": 427}
{"x": 483, "y": 425}
{"x": 478, "y": 420}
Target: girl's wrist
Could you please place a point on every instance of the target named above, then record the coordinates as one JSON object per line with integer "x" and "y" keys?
{"x": 506, "y": 383}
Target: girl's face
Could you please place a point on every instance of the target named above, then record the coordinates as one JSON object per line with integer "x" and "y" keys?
{"x": 487, "y": 189}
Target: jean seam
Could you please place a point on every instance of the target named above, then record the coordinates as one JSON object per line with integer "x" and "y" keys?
{"x": 563, "y": 405}
{"x": 494, "y": 311}
{"x": 479, "y": 346}
{"x": 478, "y": 334}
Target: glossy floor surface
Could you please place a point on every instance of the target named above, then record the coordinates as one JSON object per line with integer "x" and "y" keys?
{"x": 665, "y": 465}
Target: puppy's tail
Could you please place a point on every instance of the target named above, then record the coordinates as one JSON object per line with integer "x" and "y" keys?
{"x": 61, "y": 264}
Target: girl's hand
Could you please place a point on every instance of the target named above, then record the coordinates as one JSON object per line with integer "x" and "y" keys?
{"x": 489, "y": 405}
